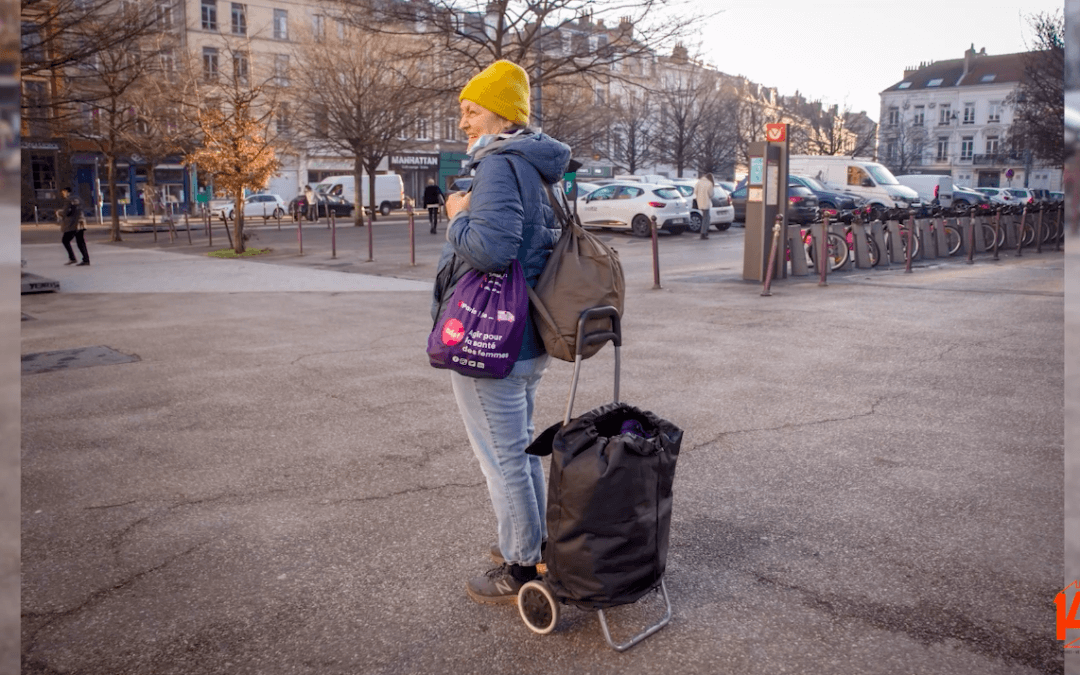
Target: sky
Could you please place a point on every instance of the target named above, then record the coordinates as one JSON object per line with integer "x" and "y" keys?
{"x": 846, "y": 52}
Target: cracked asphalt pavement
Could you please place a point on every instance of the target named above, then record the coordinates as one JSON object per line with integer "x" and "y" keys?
{"x": 871, "y": 479}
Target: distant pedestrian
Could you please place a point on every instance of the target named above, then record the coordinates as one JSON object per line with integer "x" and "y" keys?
{"x": 433, "y": 200}
{"x": 73, "y": 225}
{"x": 703, "y": 190}
{"x": 309, "y": 202}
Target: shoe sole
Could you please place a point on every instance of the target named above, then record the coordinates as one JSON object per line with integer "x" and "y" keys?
{"x": 491, "y": 600}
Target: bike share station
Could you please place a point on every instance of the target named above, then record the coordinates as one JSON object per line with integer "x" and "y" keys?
{"x": 850, "y": 243}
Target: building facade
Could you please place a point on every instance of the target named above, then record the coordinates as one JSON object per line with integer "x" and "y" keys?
{"x": 952, "y": 118}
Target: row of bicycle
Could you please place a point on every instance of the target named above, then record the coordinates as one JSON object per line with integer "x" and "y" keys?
{"x": 1016, "y": 225}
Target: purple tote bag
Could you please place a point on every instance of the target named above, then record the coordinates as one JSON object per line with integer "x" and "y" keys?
{"x": 481, "y": 330}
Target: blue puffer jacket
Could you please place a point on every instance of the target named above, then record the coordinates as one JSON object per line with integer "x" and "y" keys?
{"x": 508, "y": 217}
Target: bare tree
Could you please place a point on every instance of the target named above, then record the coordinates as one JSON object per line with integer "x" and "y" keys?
{"x": 718, "y": 149}
{"x": 552, "y": 39}
{"x": 577, "y": 115}
{"x": 903, "y": 145}
{"x": 633, "y": 129}
{"x": 98, "y": 104}
{"x": 367, "y": 98}
{"x": 1038, "y": 124}
{"x": 684, "y": 95}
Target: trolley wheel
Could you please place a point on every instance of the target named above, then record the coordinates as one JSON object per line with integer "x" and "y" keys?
{"x": 538, "y": 607}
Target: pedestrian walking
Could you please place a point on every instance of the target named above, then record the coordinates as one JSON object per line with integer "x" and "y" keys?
{"x": 73, "y": 226}
{"x": 434, "y": 201}
{"x": 703, "y": 190}
{"x": 309, "y": 202}
{"x": 501, "y": 219}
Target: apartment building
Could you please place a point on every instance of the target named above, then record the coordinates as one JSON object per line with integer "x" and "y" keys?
{"x": 952, "y": 118}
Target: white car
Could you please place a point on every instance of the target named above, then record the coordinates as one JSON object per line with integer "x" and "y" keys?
{"x": 255, "y": 206}
{"x": 631, "y": 205}
{"x": 998, "y": 195}
{"x": 721, "y": 213}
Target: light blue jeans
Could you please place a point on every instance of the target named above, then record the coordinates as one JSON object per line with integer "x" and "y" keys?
{"x": 498, "y": 416}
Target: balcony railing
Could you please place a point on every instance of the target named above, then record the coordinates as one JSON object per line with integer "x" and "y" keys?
{"x": 997, "y": 159}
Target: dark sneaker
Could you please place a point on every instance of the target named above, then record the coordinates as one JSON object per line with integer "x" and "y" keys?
{"x": 500, "y": 585}
{"x": 85, "y": 262}
{"x": 71, "y": 262}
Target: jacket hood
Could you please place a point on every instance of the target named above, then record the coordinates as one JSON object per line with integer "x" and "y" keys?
{"x": 549, "y": 156}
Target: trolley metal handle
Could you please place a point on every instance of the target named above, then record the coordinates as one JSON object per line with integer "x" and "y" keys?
{"x": 596, "y": 337}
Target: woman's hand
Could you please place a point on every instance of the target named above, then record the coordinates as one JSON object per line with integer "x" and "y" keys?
{"x": 456, "y": 202}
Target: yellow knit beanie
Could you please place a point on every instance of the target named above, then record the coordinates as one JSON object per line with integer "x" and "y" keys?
{"x": 502, "y": 88}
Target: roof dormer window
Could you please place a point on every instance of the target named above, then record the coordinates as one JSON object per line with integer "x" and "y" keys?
{"x": 936, "y": 82}
{"x": 988, "y": 78}
{"x": 904, "y": 85}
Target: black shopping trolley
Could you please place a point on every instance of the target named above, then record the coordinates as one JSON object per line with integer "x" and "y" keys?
{"x": 609, "y": 504}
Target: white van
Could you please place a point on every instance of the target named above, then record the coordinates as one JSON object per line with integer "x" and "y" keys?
{"x": 389, "y": 190}
{"x": 930, "y": 187}
{"x": 870, "y": 180}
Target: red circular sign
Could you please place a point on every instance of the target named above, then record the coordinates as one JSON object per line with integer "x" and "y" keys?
{"x": 453, "y": 332}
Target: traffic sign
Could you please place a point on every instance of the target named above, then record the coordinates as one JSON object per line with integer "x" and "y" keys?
{"x": 775, "y": 133}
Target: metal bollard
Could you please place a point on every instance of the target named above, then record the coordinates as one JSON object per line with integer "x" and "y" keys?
{"x": 823, "y": 255}
{"x": 412, "y": 236}
{"x": 36, "y": 221}
{"x": 655, "y": 256}
{"x": 333, "y": 235}
{"x": 187, "y": 226}
{"x": 1059, "y": 233}
{"x": 371, "y": 237}
{"x": 997, "y": 231}
{"x": 300, "y": 234}
{"x": 772, "y": 255}
{"x": 1039, "y": 229}
{"x": 910, "y": 244}
{"x": 971, "y": 238}
{"x": 1020, "y": 233}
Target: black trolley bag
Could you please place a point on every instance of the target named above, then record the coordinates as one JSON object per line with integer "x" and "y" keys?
{"x": 609, "y": 504}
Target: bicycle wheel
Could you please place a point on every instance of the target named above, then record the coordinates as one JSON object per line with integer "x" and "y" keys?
{"x": 952, "y": 239}
{"x": 875, "y": 254}
{"x": 1029, "y": 235}
{"x": 904, "y": 240}
{"x": 988, "y": 236}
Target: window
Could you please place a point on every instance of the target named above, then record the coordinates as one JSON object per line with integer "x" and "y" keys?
{"x": 967, "y": 146}
{"x": 281, "y": 24}
{"x": 936, "y": 82}
{"x": 944, "y": 114}
{"x": 988, "y": 78}
{"x": 318, "y": 26}
{"x": 210, "y": 63}
{"x": 32, "y": 49}
{"x": 991, "y": 145}
{"x": 599, "y": 96}
{"x": 422, "y": 129}
{"x": 903, "y": 85}
{"x": 856, "y": 176}
{"x": 920, "y": 116}
{"x": 209, "y": 14}
{"x": 43, "y": 175}
{"x": 281, "y": 120}
{"x": 340, "y": 23}
{"x": 942, "y": 148}
{"x": 969, "y": 113}
{"x": 993, "y": 113}
{"x": 890, "y": 150}
{"x": 168, "y": 61}
{"x": 322, "y": 121}
{"x": 281, "y": 70}
{"x": 165, "y": 15}
{"x": 240, "y": 67}
{"x": 894, "y": 116}
{"x": 239, "y": 19}
{"x": 606, "y": 192}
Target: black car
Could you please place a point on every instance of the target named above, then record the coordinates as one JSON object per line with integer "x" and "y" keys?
{"x": 327, "y": 204}
{"x": 802, "y": 204}
{"x": 828, "y": 200}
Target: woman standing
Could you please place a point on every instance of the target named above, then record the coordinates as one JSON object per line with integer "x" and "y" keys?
{"x": 504, "y": 216}
{"x": 433, "y": 200}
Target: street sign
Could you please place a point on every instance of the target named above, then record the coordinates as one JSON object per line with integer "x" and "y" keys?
{"x": 775, "y": 133}
{"x": 1009, "y": 174}
{"x": 203, "y": 197}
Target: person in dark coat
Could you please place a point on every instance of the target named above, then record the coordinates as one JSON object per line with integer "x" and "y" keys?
{"x": 73, "y": 227}
{"x": 433, "y": 200}
{"x": 504, "y": 216}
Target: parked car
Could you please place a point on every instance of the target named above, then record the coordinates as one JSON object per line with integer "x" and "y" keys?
{"x": 802, "y": 204}
{"x": 327, "y": 204}
{"x": 630, "y": 205}
{"x": 727, "y": 186}
{"x": 828, "y": 200}
{"x": 967, "y": 197}
{"x": 721, "y": 213}
{"x": 584, "y": 188}
{"x": 1040, "y": 194}
{"x": 1021, "y": 195}
{"x": 1057, "y": 197}
{"x": 255, "y": 206}
{"x": 998, "y": 195}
